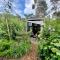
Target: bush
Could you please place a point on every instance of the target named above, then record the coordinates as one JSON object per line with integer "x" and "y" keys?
{"x": 11, "y": 26}
{"x": 13, "y": 49}
{"x": 14, "y": 40}
{"x": 49, "y": 45}
{"x": 49, "y": 50}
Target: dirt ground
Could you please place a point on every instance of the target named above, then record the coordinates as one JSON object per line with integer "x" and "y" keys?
{"x": 32, "y": 55}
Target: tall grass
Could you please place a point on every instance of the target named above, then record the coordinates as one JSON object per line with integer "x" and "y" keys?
{"x": 14, "y": 40}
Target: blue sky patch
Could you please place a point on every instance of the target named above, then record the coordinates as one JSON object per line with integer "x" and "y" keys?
{"x": 21, "y": 7}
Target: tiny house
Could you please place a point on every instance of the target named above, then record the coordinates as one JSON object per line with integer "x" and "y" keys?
{"x": 35, "y": 24}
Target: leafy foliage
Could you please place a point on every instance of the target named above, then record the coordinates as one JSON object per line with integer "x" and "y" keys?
{"x": 13, "y": 49}
{"x": 18, "y": 44}
{"x": 15, "y": 26}
{"x": 49, "y": 45}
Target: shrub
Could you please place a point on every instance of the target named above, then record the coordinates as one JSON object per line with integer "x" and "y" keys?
{"x": 11, "y": 26}
{"x": 14, "y": 40}
{"x": 50, "y": 50}
{"x": 13, "y": 49}
{"x": 49, "y": 45}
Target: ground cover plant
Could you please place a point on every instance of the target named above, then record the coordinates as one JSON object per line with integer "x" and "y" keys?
{"x": 49, "y": 45}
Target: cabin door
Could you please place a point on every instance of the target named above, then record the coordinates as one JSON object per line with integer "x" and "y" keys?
{"x": 35, "y": 28}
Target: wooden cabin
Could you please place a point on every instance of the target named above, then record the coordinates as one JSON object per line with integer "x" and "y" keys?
{"x": 35, "y": 24}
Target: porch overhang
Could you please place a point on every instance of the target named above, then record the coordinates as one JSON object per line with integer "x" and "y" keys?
{"x": 36, "y": 21}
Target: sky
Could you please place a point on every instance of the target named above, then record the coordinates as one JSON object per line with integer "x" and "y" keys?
{"x": 21, "y": 7}
{"x": 24, "y": 7}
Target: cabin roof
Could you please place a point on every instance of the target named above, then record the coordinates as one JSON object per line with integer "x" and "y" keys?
{"x": 35, "y": 19}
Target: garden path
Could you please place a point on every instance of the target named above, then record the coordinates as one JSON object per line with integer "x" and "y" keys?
{"x": 32, "y": 55}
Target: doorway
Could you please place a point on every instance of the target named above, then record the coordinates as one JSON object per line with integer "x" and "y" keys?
{"x": 35, "y": 29}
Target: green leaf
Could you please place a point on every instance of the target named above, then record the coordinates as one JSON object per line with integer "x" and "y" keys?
{"x": 58, "y": 53}
{"x": 54, "y": 50}
{"x": 57, "y": 44}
